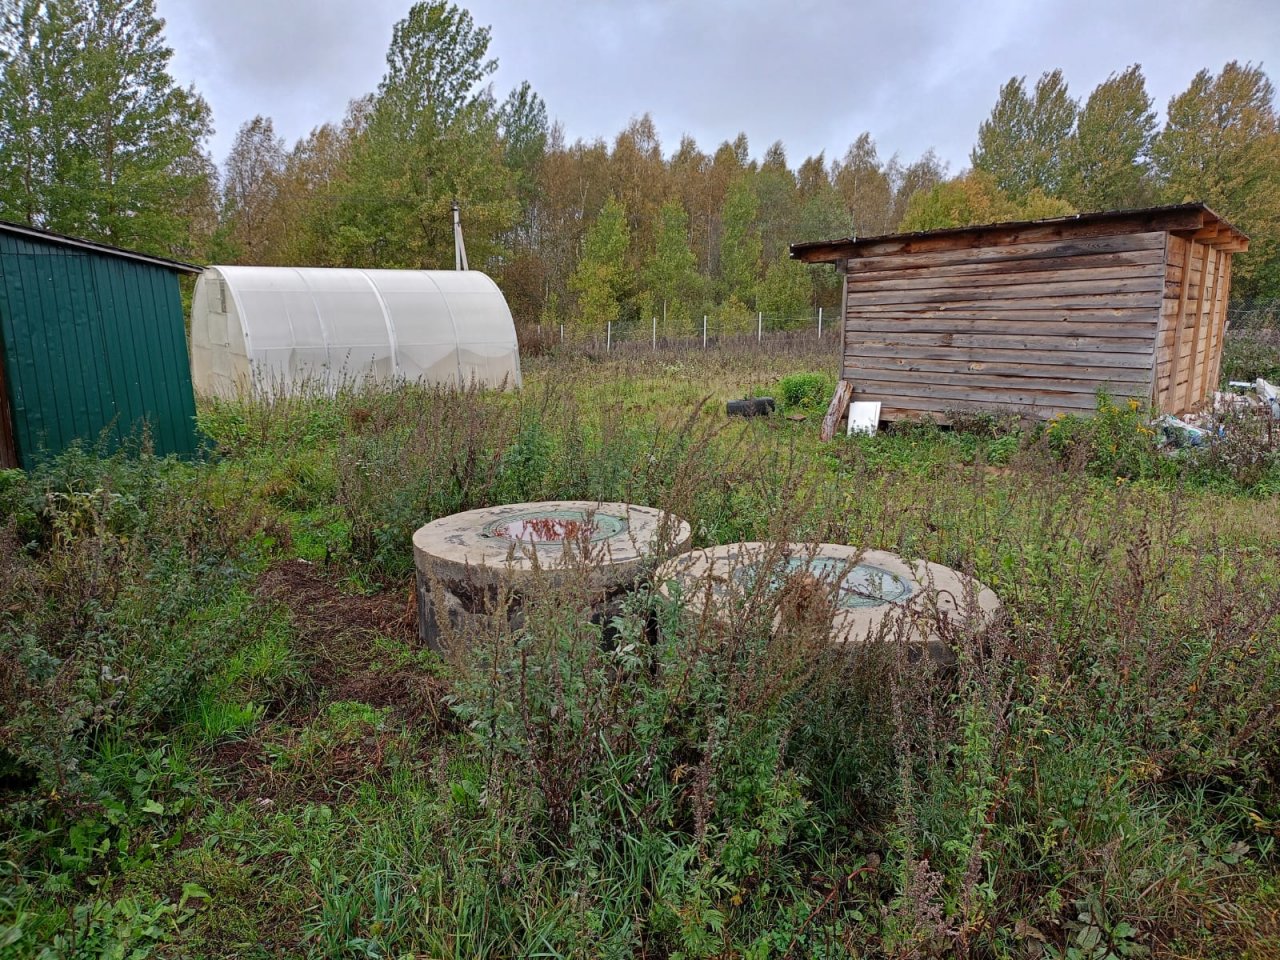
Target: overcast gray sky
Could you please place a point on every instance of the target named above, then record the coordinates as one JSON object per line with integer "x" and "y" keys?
{"x": 812, "y": 74}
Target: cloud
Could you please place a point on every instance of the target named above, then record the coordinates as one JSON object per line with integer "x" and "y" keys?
{"x": 812, "y": 74}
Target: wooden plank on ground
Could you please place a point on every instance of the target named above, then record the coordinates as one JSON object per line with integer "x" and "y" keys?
{"x": 836, "y": 410}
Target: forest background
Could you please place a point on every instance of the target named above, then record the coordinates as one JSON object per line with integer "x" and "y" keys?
{"x": 98, "y": 140}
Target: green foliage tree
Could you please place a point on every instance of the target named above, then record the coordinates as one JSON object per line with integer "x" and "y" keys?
{"x": 24, "y": 98}
{"x": 600, "y": 280}
{"x": 689, "y": 175}
{"x": 1107, "y": 161}
{"x": 865, "y": 187}
{"x": 432, "y": 137}
{"x": 822, "y": 216}
{"x": 307, "y": 224}
{"x": 1020, "y": 144}
{"x": 973, "y": 199}
{"x": 740, "y": 242}
{"x": 96, "y": 138}
{"x": 776, "y": 200}
{"x": 524, "y": 130}
{"x": 785, "y": 292}
{"x": 250, "y": 191}
{"x": 637, "y": 177}
{"x": 1221, "y": 145}
{"x": 670, "y": 275}
{"x": 523, "y": 126}
{"x": 918, "y": 177}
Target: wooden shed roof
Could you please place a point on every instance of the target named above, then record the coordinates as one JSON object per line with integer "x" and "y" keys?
{"x": 1186, "y": 219}
{"x": 48, "y": 236}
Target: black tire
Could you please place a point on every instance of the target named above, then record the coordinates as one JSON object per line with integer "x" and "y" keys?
{"x": 750, "y": 407}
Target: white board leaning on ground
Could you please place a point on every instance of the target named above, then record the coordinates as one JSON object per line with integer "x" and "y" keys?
{"x": 281, "y": 329}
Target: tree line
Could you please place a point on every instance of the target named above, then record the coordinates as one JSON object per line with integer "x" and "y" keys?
{"x": 98, "y": 140}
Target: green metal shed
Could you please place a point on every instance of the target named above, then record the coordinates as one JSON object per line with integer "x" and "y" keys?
{"x": 92, "y": 339}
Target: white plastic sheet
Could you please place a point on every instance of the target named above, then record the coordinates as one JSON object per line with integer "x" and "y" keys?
{"x": 283, "y": 329}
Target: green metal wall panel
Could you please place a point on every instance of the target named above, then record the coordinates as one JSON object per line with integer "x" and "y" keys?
{"x": 94, "y": 345}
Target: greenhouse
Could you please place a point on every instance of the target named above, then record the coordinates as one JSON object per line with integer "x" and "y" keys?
{"x": 282, "y": 329}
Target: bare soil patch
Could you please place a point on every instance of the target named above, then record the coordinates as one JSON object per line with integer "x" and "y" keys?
{"x": 337, "y": 632}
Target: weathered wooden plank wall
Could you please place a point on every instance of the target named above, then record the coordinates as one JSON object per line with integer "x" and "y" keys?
{"x": 1024, "y": 325}
{"x": 1192, "y": 323}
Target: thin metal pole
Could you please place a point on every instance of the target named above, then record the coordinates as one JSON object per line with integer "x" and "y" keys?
{"x": 608, "y": 342}
{"x": 704, "y": 331}
{"x": 819, "y": 323}
{"x": 655, "y": 331}
{"x": 760, "y": 327}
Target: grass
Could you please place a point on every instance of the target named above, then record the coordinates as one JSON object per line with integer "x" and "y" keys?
{"x": 220, "y": 736}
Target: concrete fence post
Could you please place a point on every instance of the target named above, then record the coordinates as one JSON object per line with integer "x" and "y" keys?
{"x": 704, "y": 331}
{"x": 608, "y": 337}
{"x": 760, "y": 327}
{"x": 819, "y": 323}
{"x": 655, "y": 333}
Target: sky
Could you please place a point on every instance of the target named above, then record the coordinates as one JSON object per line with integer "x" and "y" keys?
{"x": 915, "y": 74}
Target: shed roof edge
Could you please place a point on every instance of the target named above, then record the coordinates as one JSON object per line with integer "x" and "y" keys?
{"x": 1181, "y": 217}
{"x": 49, "y": 236}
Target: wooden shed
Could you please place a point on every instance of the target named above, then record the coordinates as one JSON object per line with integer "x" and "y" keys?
{"x": 1036, "y": 317}
{"x": 92, "y": 340}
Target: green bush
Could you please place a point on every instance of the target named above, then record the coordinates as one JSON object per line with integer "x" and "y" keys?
{"x": 1116, "y": 441}
{"x": 119, "y": 600}
{"x": 1250, "y": 354}
{"x": 806, "y": 391}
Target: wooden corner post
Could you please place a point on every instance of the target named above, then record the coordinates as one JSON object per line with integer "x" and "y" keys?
{"x": 839, "y": 404}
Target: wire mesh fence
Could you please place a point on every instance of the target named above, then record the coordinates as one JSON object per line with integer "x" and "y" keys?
{"x": 1254, "y": 314}
{"x": 689, "y": 333}
{"x": 818, "y": 331}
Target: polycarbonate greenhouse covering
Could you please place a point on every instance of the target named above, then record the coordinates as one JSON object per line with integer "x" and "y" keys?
{"x": 283, "y": 329}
